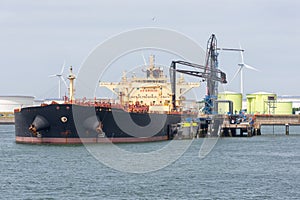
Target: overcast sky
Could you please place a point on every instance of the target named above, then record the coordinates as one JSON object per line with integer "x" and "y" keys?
{"x": 37, "y": 36}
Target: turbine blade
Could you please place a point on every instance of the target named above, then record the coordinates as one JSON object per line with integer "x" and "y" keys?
{"x": 236, "y": 73}
{"x": 64, "y": 81}
{"x": 250, "y": 67}
{"x": 63, "y": 67}
{"x": 54, "y": 75}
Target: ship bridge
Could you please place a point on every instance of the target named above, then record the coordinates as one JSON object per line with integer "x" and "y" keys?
{"x": 153, "y": 89}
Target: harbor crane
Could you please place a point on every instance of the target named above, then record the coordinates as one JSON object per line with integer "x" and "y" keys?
{"x": 209, "y": 73}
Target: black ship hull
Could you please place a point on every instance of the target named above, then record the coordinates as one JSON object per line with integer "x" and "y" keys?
{"x": 72, "y": 124}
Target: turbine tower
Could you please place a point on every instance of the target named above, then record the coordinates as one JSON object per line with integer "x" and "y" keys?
{"x": 60, "y": 78}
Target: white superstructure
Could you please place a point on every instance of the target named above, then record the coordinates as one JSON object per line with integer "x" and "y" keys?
{"x": 153, "y": 90}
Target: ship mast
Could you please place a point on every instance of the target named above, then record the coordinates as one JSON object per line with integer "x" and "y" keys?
{"x": 71, "y": 77}
{"x": 151, "y": 65}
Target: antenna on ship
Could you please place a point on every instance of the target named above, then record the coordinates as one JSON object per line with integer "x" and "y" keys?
{"x": 71, "y": 77}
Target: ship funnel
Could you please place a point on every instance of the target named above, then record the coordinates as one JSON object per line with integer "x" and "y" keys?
{"x": 39, "y": 123}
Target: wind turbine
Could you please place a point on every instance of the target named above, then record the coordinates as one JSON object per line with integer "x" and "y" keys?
{"x": 242, "y": 65}
{"x": 60, "y": 78}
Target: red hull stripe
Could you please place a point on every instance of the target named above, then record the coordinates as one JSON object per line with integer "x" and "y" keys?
{"x": 35, "y": 140}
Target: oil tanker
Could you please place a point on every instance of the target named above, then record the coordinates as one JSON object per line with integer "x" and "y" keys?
{"x": 142, "y": 113}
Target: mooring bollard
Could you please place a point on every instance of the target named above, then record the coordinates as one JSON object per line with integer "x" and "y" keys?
{"x": 287, "y": 129}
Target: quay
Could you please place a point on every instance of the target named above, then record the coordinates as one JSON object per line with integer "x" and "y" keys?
{"x": 235, "y": 125}
{"x": 7, "y": 118}
{"x": 252, "y": 126}
{"x": 278, "y": 120}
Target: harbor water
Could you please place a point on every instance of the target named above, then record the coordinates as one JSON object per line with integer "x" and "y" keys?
{"x": 260, "y": 167}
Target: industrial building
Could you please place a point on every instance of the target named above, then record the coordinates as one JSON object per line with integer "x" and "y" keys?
{"x": 258, "y": 103}
{"x": 290, "y": 98}
{"x": 267, "y": 103}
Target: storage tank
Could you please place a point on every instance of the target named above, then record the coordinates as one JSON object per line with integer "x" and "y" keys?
{"x": 284, "y": 108}
{"x": 261, "y": 103}
{"x": 236, "y": 98}
{"x": 9, "y": 103}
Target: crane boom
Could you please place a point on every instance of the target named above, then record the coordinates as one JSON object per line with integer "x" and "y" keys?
{"x": 210, "y": 73}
